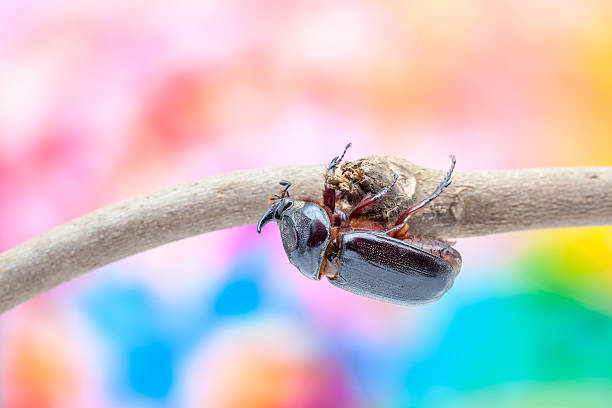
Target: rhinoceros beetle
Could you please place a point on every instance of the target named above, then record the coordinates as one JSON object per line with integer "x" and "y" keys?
{"x": 359, "y": 255}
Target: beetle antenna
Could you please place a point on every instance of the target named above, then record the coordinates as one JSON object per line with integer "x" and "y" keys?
{"x": 285, "y": 192}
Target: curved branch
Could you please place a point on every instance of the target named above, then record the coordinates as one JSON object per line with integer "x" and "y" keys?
{"x": 477, "y": 203}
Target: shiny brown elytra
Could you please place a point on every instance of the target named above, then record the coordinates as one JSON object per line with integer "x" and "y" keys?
{"x": 359, "y": 255}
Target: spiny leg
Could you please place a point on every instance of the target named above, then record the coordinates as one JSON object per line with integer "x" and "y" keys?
{"x": 329, "y": 194}
{"x": 441, "y": 187}
{"x": 402, "y": 222}
{"x": 369, "y": 199}
{"x": 336, "y": 160}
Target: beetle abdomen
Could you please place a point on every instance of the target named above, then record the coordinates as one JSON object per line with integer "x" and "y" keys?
{"x": 385, "y": 268}
{"x": 436, "y": 247}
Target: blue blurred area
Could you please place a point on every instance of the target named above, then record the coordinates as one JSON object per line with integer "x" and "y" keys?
{"x": 151, "y": 339}
{"x": 237, "y": 298}
{"x": 151, "y": 368}
{"x": 532, "y": 337}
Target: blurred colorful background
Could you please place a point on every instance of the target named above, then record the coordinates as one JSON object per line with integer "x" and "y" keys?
{"x": 102, "y": 101}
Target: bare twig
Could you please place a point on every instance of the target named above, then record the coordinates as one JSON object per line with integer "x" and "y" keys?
{"x": 477, "y": 203}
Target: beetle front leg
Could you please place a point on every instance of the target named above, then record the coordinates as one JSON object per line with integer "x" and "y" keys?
{"x": 329, "y": 198}
{"x": 336, "y": 160}
{"x": 329, "y": 194}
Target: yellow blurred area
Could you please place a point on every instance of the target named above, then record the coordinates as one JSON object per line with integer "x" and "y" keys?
{"x": 573, "y": 262}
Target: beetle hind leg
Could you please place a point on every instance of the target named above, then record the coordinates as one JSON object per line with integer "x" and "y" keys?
{"x": 401, "y": 226}
{"x": 369, "y": 199}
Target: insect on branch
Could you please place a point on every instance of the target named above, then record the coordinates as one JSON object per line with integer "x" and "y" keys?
{"x": 476, "y": 203}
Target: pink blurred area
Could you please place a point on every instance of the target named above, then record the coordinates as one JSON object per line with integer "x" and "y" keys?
{"x": 100, "y": 102}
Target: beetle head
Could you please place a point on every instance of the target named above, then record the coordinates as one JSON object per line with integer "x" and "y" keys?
{"x": 305, "y": 230}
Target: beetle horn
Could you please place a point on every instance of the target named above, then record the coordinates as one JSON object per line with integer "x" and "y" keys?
{"x": 267, "y": 217}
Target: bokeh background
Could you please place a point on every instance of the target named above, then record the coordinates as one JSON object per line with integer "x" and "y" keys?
{"x": 102, "y": 101}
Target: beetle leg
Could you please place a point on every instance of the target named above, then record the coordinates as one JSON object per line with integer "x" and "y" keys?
{"x": 370, "y": 199}
{"x": 329, "y": 266}
{"x": 329, "y": 198}
{"x": 329, "y": 194}
{"x": 336, "y": 160}
{"x": 401, "y": 226}
{"x": 441, "y": 187}
{"x": 338, "y": 218}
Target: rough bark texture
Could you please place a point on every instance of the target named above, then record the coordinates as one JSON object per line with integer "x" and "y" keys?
{"x": 477, "y": 203}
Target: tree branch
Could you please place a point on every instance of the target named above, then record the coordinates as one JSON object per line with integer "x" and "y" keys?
{"x": 477, "y": 203}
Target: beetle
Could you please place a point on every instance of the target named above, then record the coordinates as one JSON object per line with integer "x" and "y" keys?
{"x": 360, "y": 255}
